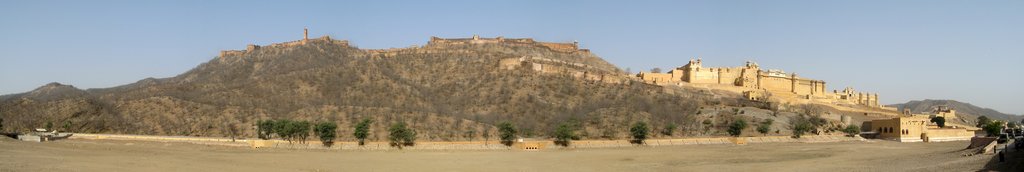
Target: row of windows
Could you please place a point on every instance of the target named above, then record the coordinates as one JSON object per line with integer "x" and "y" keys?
{"x": 889, "y": 130}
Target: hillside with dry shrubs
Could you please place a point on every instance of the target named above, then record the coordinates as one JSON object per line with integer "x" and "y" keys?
{"x": 444, "y": 93}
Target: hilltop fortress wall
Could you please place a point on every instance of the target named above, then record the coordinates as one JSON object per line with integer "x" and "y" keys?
{"x": 560, "y": 47}
{"x": 755, "y": 82}
{"x": 436, "y": 45}
{"x": 758, "y": 82}
{"x": 305, "y": 39}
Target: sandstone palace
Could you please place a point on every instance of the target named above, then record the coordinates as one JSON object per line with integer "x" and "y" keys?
{"x": 757, "y": 84}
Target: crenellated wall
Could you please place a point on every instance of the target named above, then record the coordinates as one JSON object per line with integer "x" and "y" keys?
{"x": 561, "y": 47}
{"x": 252, "y": 47}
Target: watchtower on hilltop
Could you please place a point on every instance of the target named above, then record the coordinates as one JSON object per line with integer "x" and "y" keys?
{"x": 305, "y": 35}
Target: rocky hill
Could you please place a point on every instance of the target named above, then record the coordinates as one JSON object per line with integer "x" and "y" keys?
{"x": 445, "y": 92}
{"x": 966, "y": 111}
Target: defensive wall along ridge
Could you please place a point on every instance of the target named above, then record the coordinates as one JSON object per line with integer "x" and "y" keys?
{"x": 438, "y": 45}
{"x": 468, "y": 145}
{"x": 749, "y": 80}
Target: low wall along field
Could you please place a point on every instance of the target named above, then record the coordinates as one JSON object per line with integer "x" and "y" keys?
{"x": 468, "y": 145}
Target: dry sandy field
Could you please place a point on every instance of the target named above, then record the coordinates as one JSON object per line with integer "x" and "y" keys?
{"x": 108, "y": 155}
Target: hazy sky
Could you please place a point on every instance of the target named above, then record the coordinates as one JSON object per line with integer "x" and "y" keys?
{"x": 970, "y": 51}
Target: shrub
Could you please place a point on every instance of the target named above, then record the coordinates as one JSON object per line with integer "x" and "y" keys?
{"x": 765, "y": 127}
{"x": 506, "y": 132}
{"x": 639, "y": 132}
{"x": 49, "y": 126}
{"x": 800, "y": 127}
{"x": 400, "y": 135}
{"x": 736, "y": 128}
{"x": 669, "y": 129}
{"x": 852, "y": 130}
{"x": 327, "y": 131}
{"x": 362, "y": 131}
{"x": 564, "y": 134}
{"x": 67, "y": 125}
{"x": 938, "y": 120}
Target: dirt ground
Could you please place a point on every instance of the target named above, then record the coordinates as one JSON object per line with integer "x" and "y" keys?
{"x": 107, "y": 155}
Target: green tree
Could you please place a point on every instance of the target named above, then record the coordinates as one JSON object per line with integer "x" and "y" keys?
{"x": 736, "y": 128}
{"x": 800, "y": 127}
{"x": 327, "y": 131}
{"x": 982, "y": 121}
{"x": 291, "y": 130}
{"x": 765, "y": 127}
{"x": 669, "y": 129}
{"x": 67, "y": 125}
{"x": 264, "y": 129}
{"x": 49, "y": 126}
{"x": 852, "y": 130}
{"x": 639, "y": 132}
{"x": 281, "y": 129}
{"x": 563, "y": 134}
{"x": 400, "y": 135}
{"x": 362, "y": 130}
{"x": 938, "y": 120}
{"x": 507, "y": 132}
{"x": 302, "y": 129}
{"x": 993, "y": 128}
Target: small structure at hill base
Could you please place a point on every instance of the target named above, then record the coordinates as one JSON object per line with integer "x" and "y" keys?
{"x": 42, "y": 135}
{"x": 918, "y": 128}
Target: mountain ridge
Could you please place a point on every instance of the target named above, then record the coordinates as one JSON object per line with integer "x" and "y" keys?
{"x": 446, "y": 91}
{"x": 967, "y": 111}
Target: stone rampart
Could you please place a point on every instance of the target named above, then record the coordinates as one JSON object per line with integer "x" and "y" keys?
{"x": 468, "y": 145}
{"x": 560, "y": 47}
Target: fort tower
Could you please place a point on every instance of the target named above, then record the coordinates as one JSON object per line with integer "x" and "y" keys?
{"x": 305, "y": 35}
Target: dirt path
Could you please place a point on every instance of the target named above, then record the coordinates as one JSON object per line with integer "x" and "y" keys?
{"x": 106, "y": 155}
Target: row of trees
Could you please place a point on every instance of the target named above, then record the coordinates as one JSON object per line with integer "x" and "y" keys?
{"x": 286, "y": 129}
{"x": 399, "y": 134}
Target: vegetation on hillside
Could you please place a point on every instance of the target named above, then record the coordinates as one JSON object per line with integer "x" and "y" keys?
{"x": 443, "y": 93}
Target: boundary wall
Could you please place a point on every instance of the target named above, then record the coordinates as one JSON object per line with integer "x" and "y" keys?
{"x": 470, "y": 145}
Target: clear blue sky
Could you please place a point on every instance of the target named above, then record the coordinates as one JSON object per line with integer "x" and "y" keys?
{"x": 970, "y": 51}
